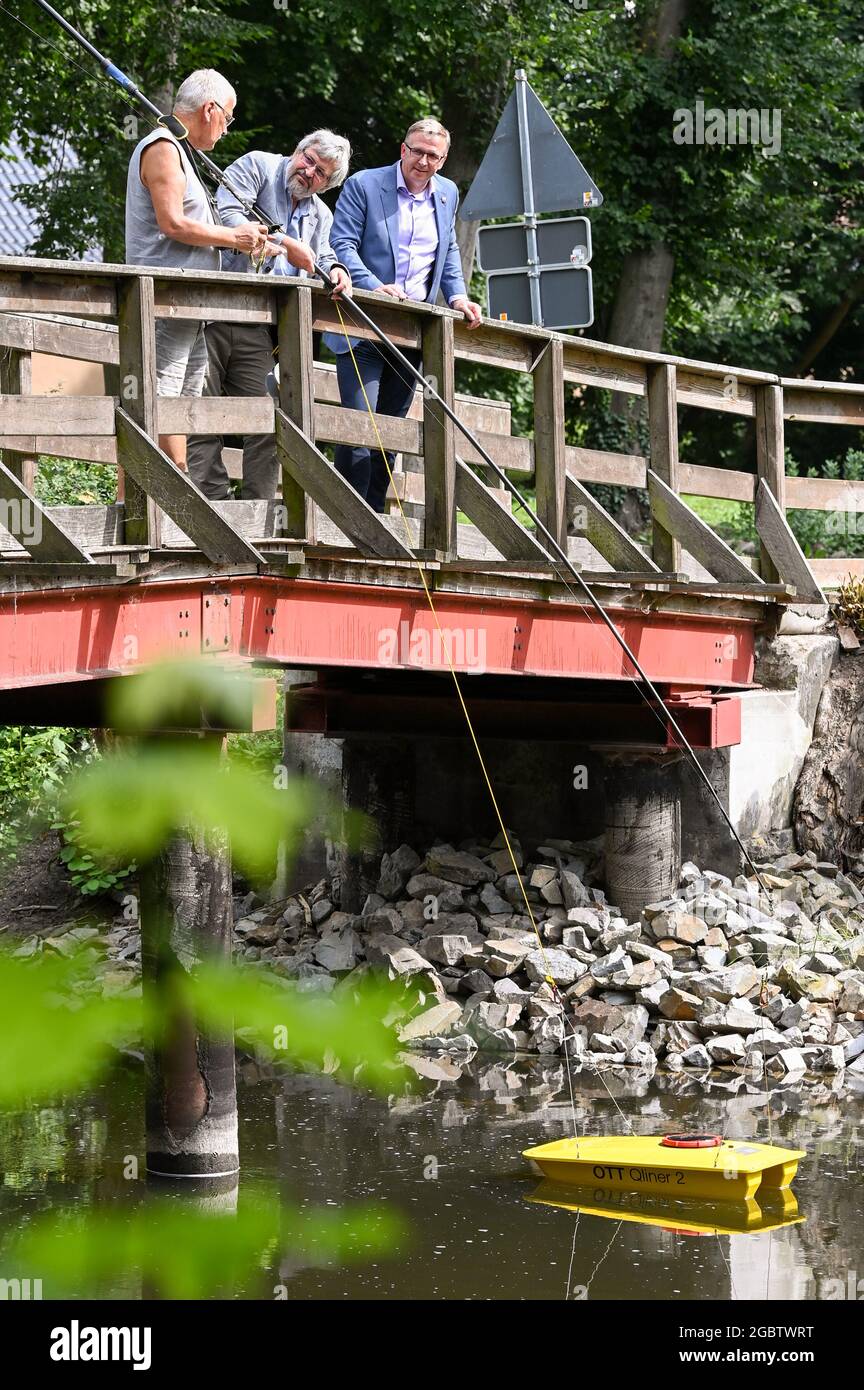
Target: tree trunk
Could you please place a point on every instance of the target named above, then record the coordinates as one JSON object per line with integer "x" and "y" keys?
{"x": 829, "y": 798}
{"x": 638, "y": 315}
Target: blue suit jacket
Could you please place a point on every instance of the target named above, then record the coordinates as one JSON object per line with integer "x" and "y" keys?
{"x": 365, "y": 236}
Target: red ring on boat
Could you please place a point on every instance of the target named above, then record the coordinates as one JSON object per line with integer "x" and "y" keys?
{"x": 691, "y": 1141}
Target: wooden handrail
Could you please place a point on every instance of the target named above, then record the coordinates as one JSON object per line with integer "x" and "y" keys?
{"x": 105, "y": 314}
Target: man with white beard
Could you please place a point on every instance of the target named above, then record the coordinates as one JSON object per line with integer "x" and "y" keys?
{"x": 287, "y": 188}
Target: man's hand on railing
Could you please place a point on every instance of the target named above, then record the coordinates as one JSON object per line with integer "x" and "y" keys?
{"x": 393, "y": 290}
{"x": 250, "y": 237}
{"x": 466, "y": 306}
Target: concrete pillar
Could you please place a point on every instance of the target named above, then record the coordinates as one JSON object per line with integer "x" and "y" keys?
{"x": 191, "y": 1099}
{"x": 643, "y": 829}
{"x": 378, "y": 778}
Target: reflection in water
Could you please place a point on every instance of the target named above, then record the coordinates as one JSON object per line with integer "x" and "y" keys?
{"x": 446, "y": 1156}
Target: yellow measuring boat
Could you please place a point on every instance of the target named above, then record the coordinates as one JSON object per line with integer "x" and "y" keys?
{"x": 677, "y": 1165}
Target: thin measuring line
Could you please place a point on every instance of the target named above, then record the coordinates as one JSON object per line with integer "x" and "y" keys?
{"x": 445, "y": 645}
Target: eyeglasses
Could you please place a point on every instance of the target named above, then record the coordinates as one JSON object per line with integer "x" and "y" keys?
{"x": 313, "y": 164}
{"x": 229, "y": 120}
{"x": 425, "y": 154}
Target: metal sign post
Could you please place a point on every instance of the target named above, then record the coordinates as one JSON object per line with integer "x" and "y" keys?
{"x": 528, "y": 196}
{"x": 529, "y": 168}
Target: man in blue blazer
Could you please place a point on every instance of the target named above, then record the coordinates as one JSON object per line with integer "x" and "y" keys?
{"x": 395, "y": 231}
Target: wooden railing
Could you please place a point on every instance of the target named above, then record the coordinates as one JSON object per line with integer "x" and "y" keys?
{"x": 106, "y": 314}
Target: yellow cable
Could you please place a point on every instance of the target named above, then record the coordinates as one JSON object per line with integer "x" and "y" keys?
{"x": 446, "y": 649}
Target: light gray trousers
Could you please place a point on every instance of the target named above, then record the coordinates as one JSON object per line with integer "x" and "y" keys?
{"x": 239, "y": 357}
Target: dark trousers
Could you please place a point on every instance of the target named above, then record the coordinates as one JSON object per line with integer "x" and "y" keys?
{"x": 239, "y": 357}
{"x": 390, "y": 389}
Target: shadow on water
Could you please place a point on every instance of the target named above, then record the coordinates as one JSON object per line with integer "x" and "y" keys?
{"x": 447, "y": 1158}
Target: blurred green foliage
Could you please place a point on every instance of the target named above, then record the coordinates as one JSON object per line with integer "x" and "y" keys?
{"x": 180, "y": 1252}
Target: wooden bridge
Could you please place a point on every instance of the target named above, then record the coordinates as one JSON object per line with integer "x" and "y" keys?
{"x": 316, "y": 580}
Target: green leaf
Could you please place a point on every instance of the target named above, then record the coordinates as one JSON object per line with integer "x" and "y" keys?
{"x": 47, "y": 1048}
{"x": 344, "y": 1032}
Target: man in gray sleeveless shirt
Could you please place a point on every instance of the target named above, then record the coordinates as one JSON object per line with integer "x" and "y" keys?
{"x": 170, "y": 222}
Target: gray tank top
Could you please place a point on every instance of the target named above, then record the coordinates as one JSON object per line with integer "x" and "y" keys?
{"x": 145, "y": 244}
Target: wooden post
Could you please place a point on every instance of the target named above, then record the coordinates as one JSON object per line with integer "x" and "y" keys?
{"x": 663, "y": 433}
{"x": 770, "y": 460}
{"x": 16, "y": 379}
{"x": 137, "y": 380}
{"x": 186, "y": 919}
{"x": 297, "y": 399}
{"x": 439, "y": 438}
{"x": 550, "y": 469}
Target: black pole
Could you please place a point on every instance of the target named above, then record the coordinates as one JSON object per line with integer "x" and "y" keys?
{"x": 551, "y": 544}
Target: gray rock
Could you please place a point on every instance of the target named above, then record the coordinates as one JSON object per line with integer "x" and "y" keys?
{"x": 449, "y": 896}
{"x": 595, "y": 1016}
{"x": 676, "y": 1003}
{"x": 679, "y": 926}
{"x": 492, "y": 900}
{"x": 618, "y": 933}
{"x": 652, "y": 995}
{"x": 383, "y": 919}
{"x": 633, "y": 1028}
{"x": 293, "y": 916}
{"x": 392, "y": 953}
{"x": 562, "y": 967}
{"x": 617, "y": 963}
{"x": 772, "y": 947}
{"x": 440, "y": 1019}
{"x": 446, "y": 948}
{"x": 851, "y": 1001}
{"x": 576, "y": 937}
{"x": 396, "y": 869}
{"x": 547, "y": 1033}
{"x": 801, "y": 983}
{"x": 696, "y": 1056}
{"x": 788, "y": 1062}
{"x": 731, "y": 982}
{"x": 476, "y": 982}
{"x": 729, "y": 1048}
{"x": 508, "y": 989}
{"x": 573, "y": 891}
{"x": 642, "y": 1055}
{"x": 458, "y": 867}
{"x": 504, "y": 957}
{"x": 338, "y": 951}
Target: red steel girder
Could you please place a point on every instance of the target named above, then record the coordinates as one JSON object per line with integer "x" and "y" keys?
{"x": 598, "y": 717}
{"x": 59, "y": 635}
